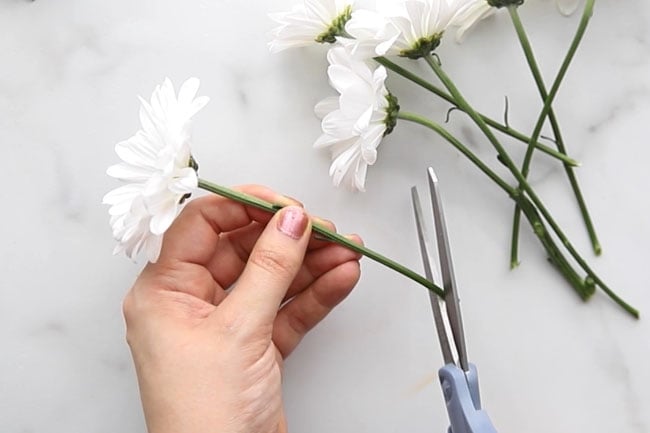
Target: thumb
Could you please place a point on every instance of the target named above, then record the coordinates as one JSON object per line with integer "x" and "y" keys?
{"x": 271, "y": 268}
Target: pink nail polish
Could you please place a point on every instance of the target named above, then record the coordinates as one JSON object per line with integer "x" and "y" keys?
{"x": 293, "y": 221}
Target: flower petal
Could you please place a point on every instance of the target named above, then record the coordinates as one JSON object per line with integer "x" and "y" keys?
{"x": 326, "y": 106}
{"x": 128, "y": 172}
{"x": 188, "y": 90}
{"x": 164, "y": 216}
{"x": 186, "y": 182}
{"x": 155, "y": 168}
{"x": 567, "y": 7}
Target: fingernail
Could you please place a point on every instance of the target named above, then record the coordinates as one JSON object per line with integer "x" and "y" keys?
{"x": 325, "y": 223}
{"x": 355, "y": 238}
{"x": 286, "y": 200}
{"x": 293, "y": 221}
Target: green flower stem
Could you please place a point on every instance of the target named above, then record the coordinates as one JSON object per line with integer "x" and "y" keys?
{"x": 323, "y": 232}
{"x": 437, "y": 128}
{"x": 584, "y": 287}
{"x": 505, "y": 158}
{"x": 548, "y": 111}
{"x": 505, "y": 129}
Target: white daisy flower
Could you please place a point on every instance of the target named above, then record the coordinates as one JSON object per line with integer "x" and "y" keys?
{"x": 158, "y": 170}
{"x": 409, "y": 28}
{"x": 354, "y": 122}
{"x": 480, "y": 9}
{"x": 312, "y": 21}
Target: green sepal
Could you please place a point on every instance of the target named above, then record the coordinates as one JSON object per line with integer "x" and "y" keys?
{"x": 336, "y": 28}
{"x": 504, "y": 3}
{"x": 422, "y": 47}
{"x": 391, "y": 113}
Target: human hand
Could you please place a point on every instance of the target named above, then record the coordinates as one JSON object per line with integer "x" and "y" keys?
{"x": 209, "y": 359}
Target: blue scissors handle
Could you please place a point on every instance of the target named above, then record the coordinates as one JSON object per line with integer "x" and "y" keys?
{"x": 460, "y": 390}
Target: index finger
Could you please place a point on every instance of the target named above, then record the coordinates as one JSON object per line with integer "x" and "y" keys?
{"x": 194, "y": 236}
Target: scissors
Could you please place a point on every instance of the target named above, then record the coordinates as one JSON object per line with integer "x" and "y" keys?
{"x": 458, "y": 377}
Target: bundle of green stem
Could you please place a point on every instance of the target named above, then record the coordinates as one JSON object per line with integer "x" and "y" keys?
{"x": 527, "y": 202}
{"x": 526, "y": 199}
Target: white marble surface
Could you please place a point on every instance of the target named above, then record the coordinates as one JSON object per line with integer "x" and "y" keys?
{"x": 70, "y": 71}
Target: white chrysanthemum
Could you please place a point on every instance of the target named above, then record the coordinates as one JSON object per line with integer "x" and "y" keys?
{"x": 312, "y": 21}
{"x": 156, "y": 166}
{"x": 480, "y": 9}
{"x": 410, "y": 28}
{"x": 354, "y": 122}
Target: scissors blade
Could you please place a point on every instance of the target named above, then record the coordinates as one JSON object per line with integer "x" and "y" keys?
{"x": 452, "y": 303}
{"x": 441, "y": 326}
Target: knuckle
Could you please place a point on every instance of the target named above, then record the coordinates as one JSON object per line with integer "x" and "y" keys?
{"x": 299, "y": 323}
{"x": 198, "y": 205}
{"x": 128, "y": 311}
{"x": 128, "y": 307}
{"x": 230, "y": 322}
{"x": 192, "y": 206}
{"x": 272, "y": 262}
